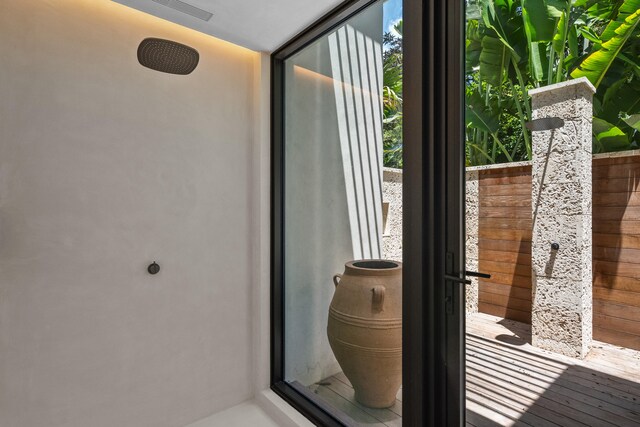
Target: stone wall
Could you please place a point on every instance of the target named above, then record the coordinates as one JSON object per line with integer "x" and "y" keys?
{"x": 392, "y": 214}
{"x": 472, "y": 209}
{"x": 561, "y": 246}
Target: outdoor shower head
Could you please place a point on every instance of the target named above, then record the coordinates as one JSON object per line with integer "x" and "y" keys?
{"x": 167, "y": 56}
{"x": 546, "y": 123}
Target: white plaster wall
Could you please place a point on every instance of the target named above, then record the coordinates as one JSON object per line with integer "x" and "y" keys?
{"x": 317, "y": 237}
{"x": 106, "y": 166}
{"x": 318, "y": 208}
{"x": 262, "y": 227}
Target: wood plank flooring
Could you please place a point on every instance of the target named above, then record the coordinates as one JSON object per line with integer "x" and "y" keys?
{"x": 511, "y": 383}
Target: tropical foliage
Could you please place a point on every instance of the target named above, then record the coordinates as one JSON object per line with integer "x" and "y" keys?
{"x": 392, "y": 97}
{"x": 515, "y": 45}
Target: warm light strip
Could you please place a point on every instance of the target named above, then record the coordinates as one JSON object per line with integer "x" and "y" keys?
{"x": 313, "y": 75}
{"x": 168, "y": 29}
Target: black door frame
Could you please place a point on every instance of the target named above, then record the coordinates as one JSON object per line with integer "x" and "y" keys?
{"x": 433, "y": 204}
{"x": 433, "y": 218}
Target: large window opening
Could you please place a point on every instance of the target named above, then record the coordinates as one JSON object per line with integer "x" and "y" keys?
{"x": 342, "y": 218}
{"x": 368, "y": 164}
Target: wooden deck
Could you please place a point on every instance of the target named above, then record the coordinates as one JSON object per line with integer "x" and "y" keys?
{"x": 511, "y": 383}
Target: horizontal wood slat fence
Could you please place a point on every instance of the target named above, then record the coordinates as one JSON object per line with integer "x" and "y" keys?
{"x": 504, "y": 246}
{"x": 504, "y": 242}
{"x": 616, "y": 251}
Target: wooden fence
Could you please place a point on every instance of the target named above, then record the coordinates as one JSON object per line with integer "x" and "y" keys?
{"x": 504, "y": 246}
{"x": 504, "y": 242}
{"x": 616, "y": 250}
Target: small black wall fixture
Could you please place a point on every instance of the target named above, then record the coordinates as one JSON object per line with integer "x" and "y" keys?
{"x": 167, "y": 56}
{"x": 153, "y": 268}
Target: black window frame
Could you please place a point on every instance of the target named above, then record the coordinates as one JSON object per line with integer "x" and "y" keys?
{"x": 433, "y": 218}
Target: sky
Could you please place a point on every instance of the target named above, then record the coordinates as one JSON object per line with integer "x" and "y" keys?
{"x": 392, "y": 10}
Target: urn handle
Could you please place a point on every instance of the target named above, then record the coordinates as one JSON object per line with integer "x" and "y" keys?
{"x": 336, "y": 279}
{"x": 378, "y": 297}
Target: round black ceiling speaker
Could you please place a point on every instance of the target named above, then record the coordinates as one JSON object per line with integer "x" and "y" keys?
{"x": 167, "y": 56}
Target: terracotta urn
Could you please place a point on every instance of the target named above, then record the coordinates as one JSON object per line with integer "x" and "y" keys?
{"x": 365, "y": 329}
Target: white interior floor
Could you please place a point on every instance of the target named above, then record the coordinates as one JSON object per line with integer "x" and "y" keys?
{"x": 243, "y": 415}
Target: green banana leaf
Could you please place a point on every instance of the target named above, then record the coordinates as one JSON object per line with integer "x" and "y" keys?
{"x": 556, "y": 8}
{"x": 573, "y": 42}
{"x": 473, "y": 46}
{"x": 621, "y": 95}
{"x": 632, "y": 62}
{"x": 498, "y": 21}
{"x": 596, "y": 65}
{"x": 540, "y": 18}
{"x": 632, "y": 120}
{"x": 599, "y": 9}
{"x": 480, "y": 116}
{"x": 590, "y": 35}
{"x": 538, "y": 61}
{"x": 609, "y": 137}
{"x": 558, "y": 38}
{"x": 540, "y": 24}
{"x": 612, "y": 94}
{"x": 494, "y": 60}
{"x": 628, "y": 8}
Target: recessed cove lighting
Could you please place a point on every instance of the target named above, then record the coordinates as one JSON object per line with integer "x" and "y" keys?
{"x": 183, "y": 7}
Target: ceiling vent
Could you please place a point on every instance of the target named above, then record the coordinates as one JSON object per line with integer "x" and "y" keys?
{"x": 183, "y": 7}
{"x": 167, "y": 56}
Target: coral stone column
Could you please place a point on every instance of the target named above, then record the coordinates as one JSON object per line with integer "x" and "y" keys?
{"x": 561, "y": 249}
{"x": 471, "y": 224}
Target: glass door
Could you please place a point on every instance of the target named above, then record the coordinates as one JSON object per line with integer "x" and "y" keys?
{"x": 368, "y": 259}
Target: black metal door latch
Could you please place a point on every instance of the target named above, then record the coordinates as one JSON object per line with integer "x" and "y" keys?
{"x": 462, "y": 280}
{"x": 465, "y": 281}
{"x": 477, "y": 274}
{"x": 456, "y": 279}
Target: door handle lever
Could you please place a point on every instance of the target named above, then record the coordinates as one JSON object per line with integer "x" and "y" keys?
{"x": 477, "y": 274}
{"x": 465, "y": 281}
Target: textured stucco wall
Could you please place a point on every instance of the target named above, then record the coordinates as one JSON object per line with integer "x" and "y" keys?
{"x": 562, "y": 203}
{"x": 392, "y": 237}
{"x": 472, "y": 209}
{"x": 106, "y": 166}
{"x": 392, "y": 233}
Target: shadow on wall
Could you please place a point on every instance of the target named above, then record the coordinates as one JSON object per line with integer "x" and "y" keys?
{"x": 356, "y": 62}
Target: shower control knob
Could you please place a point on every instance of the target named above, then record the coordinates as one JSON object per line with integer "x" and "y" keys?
{"x": 153, "y": 268}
